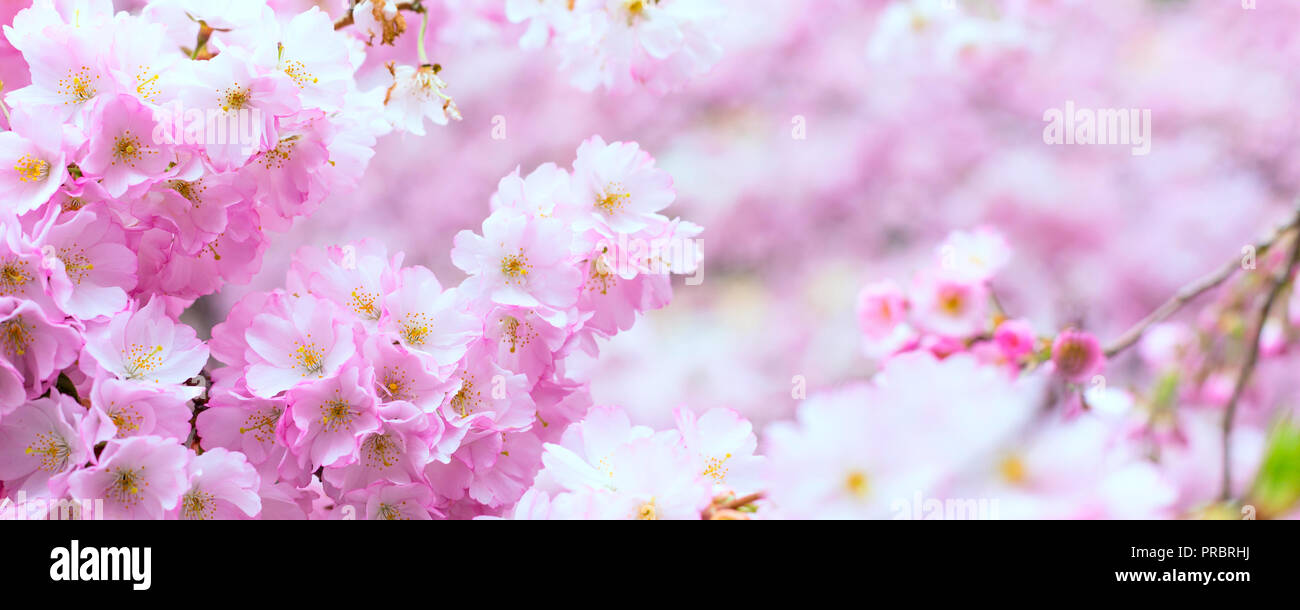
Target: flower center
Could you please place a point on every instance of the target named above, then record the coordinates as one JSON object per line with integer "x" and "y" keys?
{"x": 336, "y": 415}
{"x": 126, "y": 485}
{"x": 613, "y": 199}
{"x": 50, "y": 450}
{"x": 14, "y": 276}
{"x": 515, "y": 267}
{"x": 31, "y": 169}
{"x": 1012, "y": 469}
{"x": 262, "y": 425}
{"x": 78, "y": 86}
{"x": 127, "y": 149}
{"x": 138, "y": 361}
{"x": 466, "y": 398}
{"x": 16, "y": 335}
{"x": 75, "y": 264}
{"x": 233, "y": 98}
{"x": 364, "y": 304}
{"x": 191, "y": 191}
{"x": 310, "y": 357}
{"x": 415, "y": 329}
{"x": 647, "y": 512}
{"x": 198, "y": 505}
{"x": 380, "y": 450}
{"x": 299, "y": 73}
{"x": 716, "y": 469}
{"x": 857, "y": 484}
{"x": 127, "y": 419}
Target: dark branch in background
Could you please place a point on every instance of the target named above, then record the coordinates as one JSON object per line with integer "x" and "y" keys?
{"x": 1189, "y": 292}
{"x": 1279, "y": 283}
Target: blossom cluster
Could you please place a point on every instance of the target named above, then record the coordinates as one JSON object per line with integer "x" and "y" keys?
{"x": 365, "y": 387}
{"x": 145, "y": 160}
{"x": 619, "y": 45}
{"x": 951, "y": 307}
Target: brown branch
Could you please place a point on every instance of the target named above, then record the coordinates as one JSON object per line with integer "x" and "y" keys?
{"x": 725, "y": 508}
{"x": 1190, "y": 292}
{"x": 1252, "y": 356}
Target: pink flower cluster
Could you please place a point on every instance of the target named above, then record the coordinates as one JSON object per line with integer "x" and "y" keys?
{"x": 951, "y": 308}
{"x": 151, "y": 151}
{"x": 373, "y": 384}
{"x": 622, "y": 44}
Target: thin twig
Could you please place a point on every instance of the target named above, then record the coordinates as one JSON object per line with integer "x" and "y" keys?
{"x": 1188, "y": 293}
{"x": 1252, "y": 356}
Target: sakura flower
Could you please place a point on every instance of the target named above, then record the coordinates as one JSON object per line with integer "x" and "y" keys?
{"x": 537, "y": 194}
{"x": 489, "y": 398}
{"x": 307, "y": 342}
{"x": 311, "y": 54}
{"x": 328, "y": 419}
{"x": 415, "y": 95}
{"x": 519, "y": 261}
{"x": 40, "y": 440}
{"x": 287, "y": 174}
{"x": 223, "y": 485}
{"x": 648, "y": 478}
{"x": 192, "y": 203}
{"x": 521, "y": 341}
{"x": 31, "y": 170}
{"x": 618, "y": 185}
{"x": 882, "y": 306}
{"x": 1014, "y": 338}
{"x": 397, "y": 452}
{"x": 33, "y": 345}
{"x": 357, "y": 276}
{"x": 23, "y": 272}
{"x": 723, "y": 443}
{"x": 239, "y": 106}
{"x": 67, "y": 67}
{"x": 92, "y": 269}
{"x": 146, "y": 346}
{"x": 974, "y": 256}
{"x": 428, "y": 320}
{"x": 400, "y": 376}
{"x": 122, "y": 149}
{"x": 387, "y": 502}
{"x": 121, "y": 409}
{"x": 951, "y": 307}
{"x": 138, "y": 477}
{"x": 1077, "y": 355}
{"x": 242, "y": 424}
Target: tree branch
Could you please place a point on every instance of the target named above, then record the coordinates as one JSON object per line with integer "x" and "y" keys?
{"x": 1252, "y": 356}
{"x": 1191, "y": 291}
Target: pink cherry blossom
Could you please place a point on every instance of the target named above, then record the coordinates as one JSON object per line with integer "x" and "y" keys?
{"x": 141, "y": 477}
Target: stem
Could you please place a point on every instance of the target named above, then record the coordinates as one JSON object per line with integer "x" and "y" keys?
{"x": 1189, "y": 293}
{"x": 424, "y": 27}
{"x": 1252, "y": 356}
